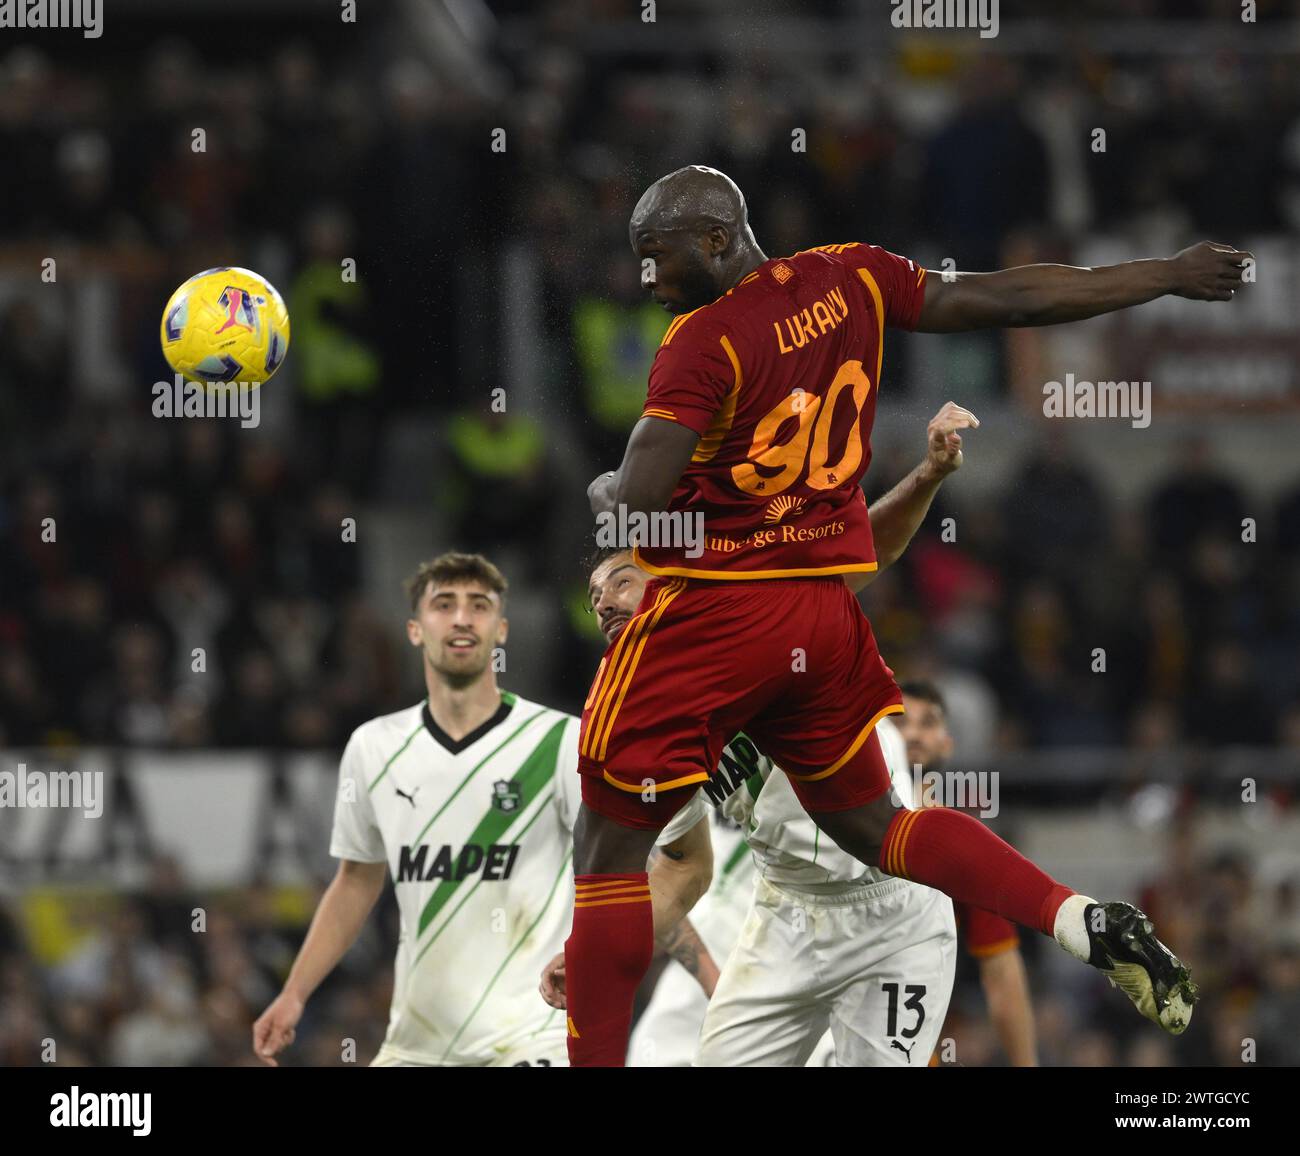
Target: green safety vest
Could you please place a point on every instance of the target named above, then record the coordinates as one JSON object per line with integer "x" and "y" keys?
{"x": 615, "y": 346}
{"x": 329, "y": 360}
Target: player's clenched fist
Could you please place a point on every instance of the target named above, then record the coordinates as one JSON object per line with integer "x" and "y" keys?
{"x": 552, "y": 985}
{"x": 274, "y": 1029}
{"x": 944, "y": 441}
{"x": 1208, "y": 271}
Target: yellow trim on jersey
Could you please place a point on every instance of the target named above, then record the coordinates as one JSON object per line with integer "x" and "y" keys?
{"x": 893, "y": 708}
{"x": 622, "y": 889}
{"x": 920, "y": 276}
{"x": 678, "y": 322}
{"x": 606, "y": 890}
{"x": 613, "y": 673}
{"x": 743, "y": 575}
{"x": 607, "y": 681}
{"x": 894, "y": 860}
{"x": 654, "y": 411}
{"x": 573, "y": 1028}
{"x": 591, "y": 890}
{"x": 611, "y": 902}
{"x": 1001, "y": 947}
{"x": 902, "y": 844}
{"x": 874, "y": 289}
{"x": 830, "y": 248}
{"x": 711, "y": 442}
{"x": 684, "y": 781}
{"x": 671, "y": 592}
{"x": 888, "y": 866}
{"x": 629, "y": 635}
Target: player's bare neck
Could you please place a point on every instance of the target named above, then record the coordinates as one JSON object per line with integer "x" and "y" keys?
{"x": 747, "y": 260}
{"x": 459, "y": 710}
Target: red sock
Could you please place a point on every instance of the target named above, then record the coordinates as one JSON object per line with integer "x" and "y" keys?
{"x": 960, "y": 856}
{"x": 605, "y": 957}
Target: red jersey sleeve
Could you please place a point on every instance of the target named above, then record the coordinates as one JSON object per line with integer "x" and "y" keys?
{"x": 691, "y": 375}
{"x": 901, "y": 282}
{"x": 984, "y": 933}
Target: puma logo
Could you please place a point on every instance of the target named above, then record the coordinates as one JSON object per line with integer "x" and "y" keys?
{"x": 409, "y": 798}
{"x": 906, "y": 1051}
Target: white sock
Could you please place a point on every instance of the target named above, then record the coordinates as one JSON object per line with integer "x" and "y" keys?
{"x": 1070, "y": 929}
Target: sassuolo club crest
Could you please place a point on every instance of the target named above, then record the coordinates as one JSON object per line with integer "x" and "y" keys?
{"x": 505, "y": 796}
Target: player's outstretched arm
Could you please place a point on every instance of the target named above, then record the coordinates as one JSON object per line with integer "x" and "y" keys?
{"x": 897, "y": 516}
{"x": 1052, "y": 294}
{"x": 1006, "y": 988}
{"x": 334, "y": 928}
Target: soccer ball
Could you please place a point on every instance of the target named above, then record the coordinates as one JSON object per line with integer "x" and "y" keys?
{"x": 225, "y": 325}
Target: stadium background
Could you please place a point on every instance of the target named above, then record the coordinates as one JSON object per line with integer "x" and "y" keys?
{"x": 480, "y": 270}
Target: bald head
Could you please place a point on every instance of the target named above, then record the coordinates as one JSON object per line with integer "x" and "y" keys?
{"x": 691, "y": 230}
{"x": 690, "y": 198}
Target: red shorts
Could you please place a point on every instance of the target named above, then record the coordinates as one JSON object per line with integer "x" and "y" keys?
{"x": 792, "y": 662}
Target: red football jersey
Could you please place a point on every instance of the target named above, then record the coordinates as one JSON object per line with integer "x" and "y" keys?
{"x": 779, "y": 378}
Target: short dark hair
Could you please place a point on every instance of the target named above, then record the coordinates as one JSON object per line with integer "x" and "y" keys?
{"x": 599, "y": 554}
{"x": 926, "y": 691}
{"x": 455, "y": 567}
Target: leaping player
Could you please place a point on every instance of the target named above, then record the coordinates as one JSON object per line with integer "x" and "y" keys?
{"x": 758, "y": 419}
{"x": 811, "y": 938}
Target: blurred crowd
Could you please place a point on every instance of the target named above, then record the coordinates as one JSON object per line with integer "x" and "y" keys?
{"x": 168, "y": 976}
{"x": 1091, "y": 622}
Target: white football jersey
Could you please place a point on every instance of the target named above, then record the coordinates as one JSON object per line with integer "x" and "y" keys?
{"x": 788, "y": 847}
{"x": 477, "y": 835}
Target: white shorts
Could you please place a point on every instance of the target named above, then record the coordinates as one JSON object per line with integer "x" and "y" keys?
{"x": 668, "y": 1031}
{"x": 874, "y": 964}
{"x": 548, "y": 1049}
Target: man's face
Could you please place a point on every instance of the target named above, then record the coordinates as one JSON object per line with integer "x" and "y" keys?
{"x": 616, "y": 587}
{"x": 683, "y": 275}
{"x": 457, "y": 626}
{"x": 925, "y": 730}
